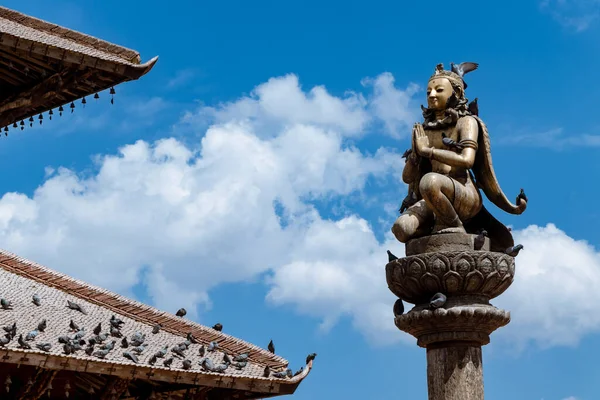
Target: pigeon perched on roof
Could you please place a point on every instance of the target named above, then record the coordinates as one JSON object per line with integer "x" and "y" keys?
{"x": 181, "y": 312}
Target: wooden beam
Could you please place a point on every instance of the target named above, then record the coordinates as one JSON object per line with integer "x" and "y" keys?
{"x": 114, "y": 388}
{"x": 42, "y": 379}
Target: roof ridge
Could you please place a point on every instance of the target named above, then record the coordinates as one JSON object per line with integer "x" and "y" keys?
{"x": 83, "y": 39}
{"x": 131, "y": 308}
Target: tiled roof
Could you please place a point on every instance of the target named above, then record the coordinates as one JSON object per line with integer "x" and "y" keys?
{"x": 36, "y": 30}
{"x": 21, "y": 279}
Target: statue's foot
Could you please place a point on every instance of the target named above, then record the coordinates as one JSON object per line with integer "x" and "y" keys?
{"x": 439, "y": 229}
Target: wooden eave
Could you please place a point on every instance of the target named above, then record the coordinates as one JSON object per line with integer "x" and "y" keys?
{"x": 44, "y": 66}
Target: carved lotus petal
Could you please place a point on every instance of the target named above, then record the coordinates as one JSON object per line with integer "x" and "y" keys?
{"x": 416, "y": 267}
{"x": 462, "y": 264}
{"x": 485, "y": 265}
{"x": 431, "y": 283}
{"x": 502, "y": 267}
{"x": 412, "y": 287}
{"x": 491, "y": 282}
{"x": 453, "y": 282}
{"x": 438, "y": 265}
{"x": 474, "y": 281}
{"x": 504, "y": 284}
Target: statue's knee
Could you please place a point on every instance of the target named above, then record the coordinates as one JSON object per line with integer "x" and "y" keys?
{"x": 430, "y": 184}
{"x": 400, "y": 231}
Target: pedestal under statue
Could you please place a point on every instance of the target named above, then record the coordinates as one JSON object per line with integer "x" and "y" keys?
{"x": 458, "y": 256}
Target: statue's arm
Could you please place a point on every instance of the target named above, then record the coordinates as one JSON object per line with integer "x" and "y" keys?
{"x": 411, "y": 168}
{"x": 468, "y": 132}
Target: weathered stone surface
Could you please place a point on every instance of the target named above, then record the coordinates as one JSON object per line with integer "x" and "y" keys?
{"x": 455, "y": 373}
{"x": 444, "y": 242}
{"x": 462, "y": 323}
{"x": 415, "y": 279}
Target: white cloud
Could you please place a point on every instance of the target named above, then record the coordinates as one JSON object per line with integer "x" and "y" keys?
{"x": 237, "y": 205}
{"x": 574, "y": 15}
{"x": 571, "y": 398}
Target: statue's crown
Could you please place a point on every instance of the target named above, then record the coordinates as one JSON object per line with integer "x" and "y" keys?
{"x": 453, "y": 77}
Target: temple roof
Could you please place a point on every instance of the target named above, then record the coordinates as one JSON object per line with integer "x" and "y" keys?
{"x": 45, "y": 66}
{"x": 21, "y": 279}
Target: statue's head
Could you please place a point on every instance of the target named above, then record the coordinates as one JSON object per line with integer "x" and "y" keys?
{"x": 445, "y": 92}
{"x": 445, "y": 89}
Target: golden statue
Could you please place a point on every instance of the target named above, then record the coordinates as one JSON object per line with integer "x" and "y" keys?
{"x": 449, "y": 161}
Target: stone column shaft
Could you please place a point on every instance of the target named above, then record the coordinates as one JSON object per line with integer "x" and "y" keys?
{"x": 455, "y": 372}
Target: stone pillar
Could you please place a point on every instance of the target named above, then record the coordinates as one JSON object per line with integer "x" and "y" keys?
{"x": 453, "y": 334}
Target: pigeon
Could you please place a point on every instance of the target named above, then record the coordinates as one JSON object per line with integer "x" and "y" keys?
{"x": 93, "y": 340}
{"x": 156, "y": 328}
{"x": 74, "y": 327}
{"x": 179, "y": 351}
{"x": 115, "y": 332}
{"x": 101, "y": 353}
{"x": 283, "y": 374}
{"x": 76, "y": 307}
{"x": 212, "y": 346}
{"x": 181, "y": 312}
{"x": 521, "y": 197}
{"x": 80, "y": 334}
{"x": 42, "y": 326}
{"x": 102, "y": 337}
{"x": 437, "y": 301}
{"x": 220, "y": 368}
{"x": 218, "y": 327}
{"x": 22, "y": 343}
{"x": 207, "y": 364}
{"x": 408, "y": 201}
{"x": 153, "y": 359}
{"x": 64, "y": 339}
{"x": 124, "y": 343}
{"x": 116, "y": 322}
{"x": 11, "y": 330}
{"x": 67, "y": 348}
{"x": 226, "y": 358}
{"x": 310, "y": 357}
{"x": 240, "y": 365}
{"x": 391, "y": 257}
{"x": 139, "y": 349}
{"x": 161, "y": 353}
{"x": 406, "y": 153}
{"x": 271, "y": 347}
{"x": 5, "y": 304}
{"x": 451, "y": 143}
{"x": 463, "y": 68}
{"x": 5, "y": 340}
{"x": 266, "y": 372}
{"x": 168, "y": 362}
{"x": 474, "y": 107}
{"x": 130, "y": 356}
{"x": 192, "y": 339}
{"x": 44, "y": 346}
{"x": 299, "y": 371}
{"x": 31, "y": 335}
{"x": 137, "y": 338}
{"x": 513, "y": 251}
{"x": 479, "y": 240}
{"x": 108, "y": 346}
{"x": 241, "y": 357}
{"x": 202, "y": 351}
{"x": 186, "y": 364}
{"x": 35, "y": 299}
{"x": 98, "y": 329}
{"x": 89, "y": 350}
{"x": 398, "y": 309}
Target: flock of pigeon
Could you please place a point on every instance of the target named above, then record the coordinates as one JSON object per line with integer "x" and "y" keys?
{"x": 99, "y": 344}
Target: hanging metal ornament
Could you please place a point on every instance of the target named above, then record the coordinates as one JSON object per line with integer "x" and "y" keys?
{"x": 6, "y": 131}
{"x": 15, "y": 125}
{"x": 31, "y": 121}
{"x": 67, "y": 387}
{"x": 83, "y": 101}
{"x": 49, "y": 388}
{"x": 22, "y": 124}
{"x": 96, "y": 96}
{"x": 50, "y": 114}
{"x": 72, "y": 107}
{"x": 7, "y": 383}
{"x": 60, "y": 110}
{"x": 112, "y": 95}
{"x": 41, "y": 118}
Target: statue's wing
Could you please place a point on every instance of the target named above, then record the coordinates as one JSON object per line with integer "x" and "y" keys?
{"x": 485, "y": 176}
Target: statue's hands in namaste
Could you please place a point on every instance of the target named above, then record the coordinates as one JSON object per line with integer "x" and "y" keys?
{"x": 421, "y": 141}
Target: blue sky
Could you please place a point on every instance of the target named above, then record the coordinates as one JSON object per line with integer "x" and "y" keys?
{"x": 253, "y": 176}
